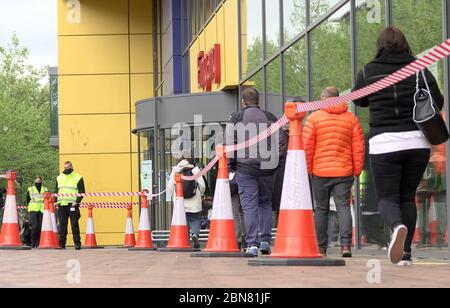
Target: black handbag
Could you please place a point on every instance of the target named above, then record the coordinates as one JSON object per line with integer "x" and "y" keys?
{"x": 426, "y": 115}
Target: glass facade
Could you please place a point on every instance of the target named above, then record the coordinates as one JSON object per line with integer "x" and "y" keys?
{"x": 316, "y": 51}
{"x": 292, "y": 48}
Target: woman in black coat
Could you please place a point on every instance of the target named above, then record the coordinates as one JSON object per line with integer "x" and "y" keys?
{"x": 399, "y": 152}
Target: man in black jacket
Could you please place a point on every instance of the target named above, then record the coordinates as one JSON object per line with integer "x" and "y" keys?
{"x": 255, "y": 168}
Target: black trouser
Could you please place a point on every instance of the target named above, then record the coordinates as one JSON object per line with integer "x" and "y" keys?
{"x": 64, "y": 213}
{"x": 342, "y": 192}
{"x": 36, "y": 225}
{"x": 397, "y": 176}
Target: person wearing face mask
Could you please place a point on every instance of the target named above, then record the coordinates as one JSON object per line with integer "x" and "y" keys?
{"x": 35, "y": 203}
{"x": 69, "y": 182}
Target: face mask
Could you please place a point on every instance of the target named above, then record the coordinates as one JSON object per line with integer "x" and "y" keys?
{"x": 38, "y": 185}
{"x": 68, "y": 171}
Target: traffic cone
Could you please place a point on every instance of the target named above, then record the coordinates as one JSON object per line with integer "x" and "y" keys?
{"x": 179, "y": 231}
{"x": 222, "y": 237}
{"x": 48, "y": 240}
{"x": 54, "y": 223}
{"x": 416, "y": 238}
{"x": 144, "y": 238}
{"x": 446, "y": 236}
{"x": 9, "y": 236}
{"x": 296, "y": 240}
{"x": 130, "y": 240}
{"x": 433, "y": 223}
{"x": 90, "y": 240}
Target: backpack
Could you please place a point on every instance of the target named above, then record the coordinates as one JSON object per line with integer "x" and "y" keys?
{"x": 189, "y": 187}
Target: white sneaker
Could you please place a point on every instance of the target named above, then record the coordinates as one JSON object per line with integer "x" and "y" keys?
{"x": 406, "y": 260}
{"x": 397, "y": 244}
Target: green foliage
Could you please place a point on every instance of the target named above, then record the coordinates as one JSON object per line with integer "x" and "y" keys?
{"x": 420, "y": 20}
{"x": 24, "y": 119}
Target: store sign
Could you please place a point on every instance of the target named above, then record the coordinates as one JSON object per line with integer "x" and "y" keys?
{"x": 208, "y": 67}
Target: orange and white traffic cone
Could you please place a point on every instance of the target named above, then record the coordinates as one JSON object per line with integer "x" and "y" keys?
{"x": 222, "y": 236}
{"x": 433, "y": 222}
{"x": 144, "y": 238}
{"x": 54, "y": 223}
{"x": 47, "y": 240}
{"x": 179, "y": 231}
{"x": 130, "y": 240}
{"x": 296, "y": 240}
{"x": 90, "y": 240}
{"x": 9, "y": 236}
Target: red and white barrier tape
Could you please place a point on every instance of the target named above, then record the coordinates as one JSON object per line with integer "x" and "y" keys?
{"x": 109, "y": 194}
{"x": 435, "y": 55}
{"x": 99, "y": 205}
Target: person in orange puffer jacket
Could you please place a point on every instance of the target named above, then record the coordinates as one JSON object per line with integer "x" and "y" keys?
{"x": 334, "y": 146}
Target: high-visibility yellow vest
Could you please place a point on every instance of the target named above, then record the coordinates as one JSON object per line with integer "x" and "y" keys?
{"x": 37, "y": 199}
{"x": 67, "y": 184}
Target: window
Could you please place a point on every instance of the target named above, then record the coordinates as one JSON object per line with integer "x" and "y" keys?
{"x": 318, "y": 8}
{"x": 331, "y": 53}
{"x": 251, "y": 35}
{"x": 274, "y": 96}
{"x": 294, "y": 18}
{"x": 295, "y": 71}
{"x": 272, "y": 26}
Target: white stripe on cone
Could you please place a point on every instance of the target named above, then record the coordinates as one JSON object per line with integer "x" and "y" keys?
{"x": 10, "y": 212}
{"x": 179, "y": 215}
{"x": 47, "y": 224}
{"x": 296, "y": 194}
{"x": 144, "y": 223}
{"x": 90, "y": 226}
{"x": 221, "y": 209}
{"x": 54, "y": 225}
{"x": 129, "y": 228}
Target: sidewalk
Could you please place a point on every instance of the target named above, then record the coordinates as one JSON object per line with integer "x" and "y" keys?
{"x": 122, "y": 268}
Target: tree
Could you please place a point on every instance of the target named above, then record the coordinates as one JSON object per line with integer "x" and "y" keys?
{"x": 25, "y": 119}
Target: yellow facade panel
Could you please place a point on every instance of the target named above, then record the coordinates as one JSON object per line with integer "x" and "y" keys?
{"x": 93, "y": 94}
{"x": 193, "y": 53}
{"x": 223, "y": 31}
{"x": 231, "y": 41}
{"x": 93, "y": 55}
{"x": 109, "y": 133}
{"x": 141, "y": 53}
{"x": 134, "y": 138}
{"x": 92, "y": 17}
{"x": 104, "y": 173}
{"x": 141, "y": 16}
{"x": 141, "y": 88}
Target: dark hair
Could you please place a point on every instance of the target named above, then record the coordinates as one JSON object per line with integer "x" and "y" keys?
{"x": 190, "y": 160}
{"x": 297, "y": 99}
{"x": 393, "y": 40}
{"x": 250, "y": 96}
{"x": 68, "y": 162}
{"x": 330, "y": 92}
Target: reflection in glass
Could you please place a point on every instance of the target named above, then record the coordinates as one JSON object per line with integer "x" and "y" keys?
{"x": 331, "y": 53}
{"x": 272, "y": 26}
{"x": 251, "y": 32}
{"x": 294, "y": 16}
{"x": 295, "y": 71}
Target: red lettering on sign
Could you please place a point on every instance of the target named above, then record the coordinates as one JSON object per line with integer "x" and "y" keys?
{"x": 208, "y": 68}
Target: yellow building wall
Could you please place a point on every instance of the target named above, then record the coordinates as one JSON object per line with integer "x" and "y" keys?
{"x": 222, "y": 29}
{"x": 105, "y": 66}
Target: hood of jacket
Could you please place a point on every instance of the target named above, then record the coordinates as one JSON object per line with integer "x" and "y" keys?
{"x": 338, "y": 109}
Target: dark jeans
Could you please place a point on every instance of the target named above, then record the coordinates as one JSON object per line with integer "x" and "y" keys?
{"x": 36, "y": 225}
{"x": 342, "y": 190}
{"x": 64, "y": 213}
{"x": 256, "y": 201}
{"x": 397, "y": 176}
{"x": 194, "y": 221}
{"x": 238, "y": 217}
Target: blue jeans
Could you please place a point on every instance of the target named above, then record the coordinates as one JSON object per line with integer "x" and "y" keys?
{"x": 194, "y": 221}
{"x": 256, "y": 202}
